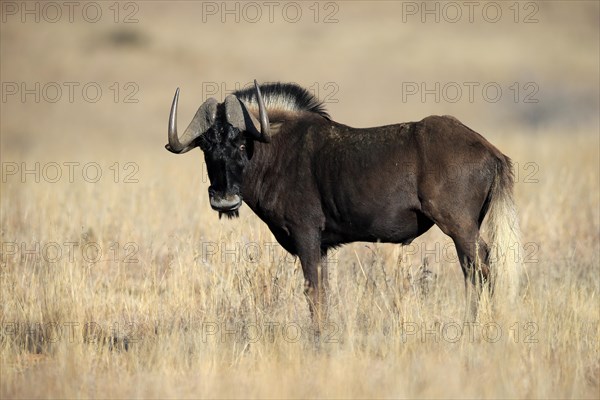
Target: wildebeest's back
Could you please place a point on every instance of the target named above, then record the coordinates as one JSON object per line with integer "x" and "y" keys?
{"x": 367, "y": 183}
{"x": 444, "y": 141}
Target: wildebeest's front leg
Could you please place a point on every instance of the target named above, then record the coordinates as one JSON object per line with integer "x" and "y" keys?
{"x": 309, "y": 251}
{"x": 324, "y": 284}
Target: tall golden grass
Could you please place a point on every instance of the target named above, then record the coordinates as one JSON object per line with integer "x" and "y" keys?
{"x": 180, "y": 304}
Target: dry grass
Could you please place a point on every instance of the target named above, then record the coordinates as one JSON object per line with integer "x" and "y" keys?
{"x": 194, "y": 274}
{"x": 182, "y": 318}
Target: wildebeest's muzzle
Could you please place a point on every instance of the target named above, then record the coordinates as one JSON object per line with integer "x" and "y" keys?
{"x": 224, "y": 203}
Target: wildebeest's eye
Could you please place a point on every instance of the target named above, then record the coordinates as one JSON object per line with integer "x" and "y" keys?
{"x": 242, "y": 147}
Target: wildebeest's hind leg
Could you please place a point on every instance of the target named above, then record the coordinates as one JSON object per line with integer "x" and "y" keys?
{"x": 472, "y": 252}
{"x": 473, "y": 258}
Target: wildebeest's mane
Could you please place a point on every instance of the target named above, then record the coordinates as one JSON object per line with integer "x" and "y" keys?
{"x": 284, "y": 97}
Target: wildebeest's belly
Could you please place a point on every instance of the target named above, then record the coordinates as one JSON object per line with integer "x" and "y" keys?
{"x": 391, "y": 224}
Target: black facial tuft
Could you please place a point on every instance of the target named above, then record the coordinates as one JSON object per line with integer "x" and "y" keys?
{"x": 230, "y": 214}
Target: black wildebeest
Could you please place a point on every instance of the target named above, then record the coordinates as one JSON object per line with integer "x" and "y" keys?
{"x": 318, "y": 184}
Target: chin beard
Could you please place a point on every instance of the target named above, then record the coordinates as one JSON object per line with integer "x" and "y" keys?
{"x": 230, "y": 214}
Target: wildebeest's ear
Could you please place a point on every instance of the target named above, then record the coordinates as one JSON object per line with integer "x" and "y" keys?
{"x": 253, "y": 126}
{"x": 239, "y": 117}
{"x": 234, "y": 112}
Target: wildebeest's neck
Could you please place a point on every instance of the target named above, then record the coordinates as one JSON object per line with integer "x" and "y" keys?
{"x": 289, "y": 155}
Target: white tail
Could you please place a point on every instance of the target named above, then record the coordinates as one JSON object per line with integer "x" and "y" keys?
{"x": 504, "y": 233}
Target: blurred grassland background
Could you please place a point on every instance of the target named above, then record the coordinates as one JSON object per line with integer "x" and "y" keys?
{"x": 190, "y": 272}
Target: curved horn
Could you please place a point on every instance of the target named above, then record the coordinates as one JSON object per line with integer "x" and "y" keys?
{"x": 202, "y": 121}
{"x": 264, "y": 118}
